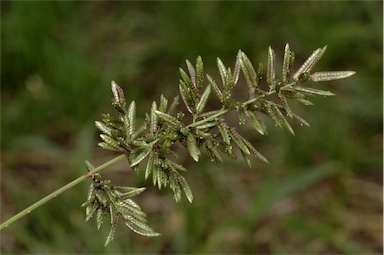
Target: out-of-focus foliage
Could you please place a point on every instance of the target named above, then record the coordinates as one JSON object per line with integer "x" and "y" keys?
{"x": 321, "y": 194}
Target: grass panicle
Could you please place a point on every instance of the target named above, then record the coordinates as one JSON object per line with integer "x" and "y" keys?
{"x": 150, "y": 145}
{"x": 208, "y": 131}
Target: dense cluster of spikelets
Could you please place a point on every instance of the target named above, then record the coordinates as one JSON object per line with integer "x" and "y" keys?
{"x": 150, "y": 145}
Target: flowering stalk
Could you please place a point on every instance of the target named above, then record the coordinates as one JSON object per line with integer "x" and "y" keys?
{"x": 150, "y": 146}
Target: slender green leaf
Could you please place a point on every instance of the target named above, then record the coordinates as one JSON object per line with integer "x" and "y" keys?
{"x": 304, "y": 101}
{"x": 112, "y": 122}
{"x": 310, "y": 62}
{"x": 90, "y": 210}
{"x": 212, "y": 117}
{"x": 187, "y": 190}
{"x": 285, "y": 105}
{"x": 141, "y": 229}
{"x": 186, "y": 98}
{"x": 153, "y": 124}
{"x": 271, "y": 71}
{"x": 189, "y": 84}
{"x": 192, "y": 72}
{"x": 112, "y": 213}
{"x": 155, "y": 170}
{"x": 173, "y": 105}
{"x": 191, "y": 96}
{"x": 110, "y": 144}
{"x": 237, "y": 139}
{"x": 118, "y": 95}
{"x": 330, "y": 76}
{"x": 132, "y": 117}
{"x": 101, "y": 197}
{"x": 246, "y": 158}
{"x": 273, "y": 111}
{"x": 213, "y": 152}
{"x": 192, "y": 147}
{"x": 161, "y": 179}
{"x": 178, "y": 182}
{"x": 223, "y": 129}
{"x": 163, "y": 103}
{"x": 99, "y": 217}
{"x": 215, "y": 88}
{"x": 132, "y": 193}
{"x": 103, "y": 128}
{"x": 199, "y": 72}
{"x": 121, "y": 189}
{"x": 111, "y": 234}
{"x": 314, "y": 91}
{"x": 229, "y": 84}
{"x": 223, "y": 72}
{"x": 150, "y": 164}
{"x": 175, "y": 166}
{"x": 140, "y": 157}
{"x": 203, "y": 100}
{"x": 168, "y": 118}
{"x": 91, "y": 193}
{"x": 107, "y": 146}
{"x": 206, "y": 125}
{"x": 301, "y": 120}
{"x": 249, "y": 72}
{"x": 278, "y": 117}
{"x": 185, "y": 78}
{"x": 257, "y": 122}
{"x": 254, "y": 151}
{"x": 128, "y": 206}
{"x": 127, "y": 125}
{"x": 130, "y": 203}
{"x": 287, "y": 64}
{"x": 209, "y": 114}
{"x": 138, "y": 222}
{"x": 109, "y": 140}
{"x": 236, "y": 70}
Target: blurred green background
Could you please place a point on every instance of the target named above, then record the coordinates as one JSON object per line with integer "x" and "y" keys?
{"x": 322, "y": 192}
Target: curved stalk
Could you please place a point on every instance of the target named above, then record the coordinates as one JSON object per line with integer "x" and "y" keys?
{"x": 57, "y": 192}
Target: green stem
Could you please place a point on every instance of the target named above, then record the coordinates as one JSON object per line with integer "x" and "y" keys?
{"x": 258, "y": 97}
{"x": 58, "y": 192}
{"x": 214, "y": 116}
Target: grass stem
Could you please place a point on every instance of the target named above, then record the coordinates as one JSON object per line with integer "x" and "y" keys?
{"x": 57, "y": 192}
